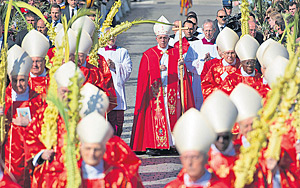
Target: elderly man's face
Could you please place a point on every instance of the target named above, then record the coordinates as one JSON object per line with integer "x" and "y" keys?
{"x": 292, "y": 9}
{"x": 246, "y": 126}
{"x": 162, "y": 40}
{"x": 252, "y": 29}
{"x": 41, "y": 27}
{"x": 38, "y": 65}
{"x": 189, "y": 32}
{"x": 194, "y": 163}
{"x": 221, "y": 15}
{"x": 62, "y": 93}
{"x": 229, "y": 56}
{"x": 208, "y": 30}
{"x": 223, "y": 140}
{"x": 19, "y": 83}
{"x": 249, "y": 65}
{"x": 92, "y": 153}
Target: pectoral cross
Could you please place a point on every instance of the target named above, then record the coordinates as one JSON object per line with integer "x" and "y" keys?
{"x": 179, "y": 29}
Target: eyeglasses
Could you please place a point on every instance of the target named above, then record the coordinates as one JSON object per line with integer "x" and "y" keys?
{"x": 225, "y": 137}
{"x": 221, "y": 16}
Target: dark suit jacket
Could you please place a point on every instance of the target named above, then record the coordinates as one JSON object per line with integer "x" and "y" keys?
{"x": 66, "y": 12}
{"x": 20, "y": 36}
{"x": 217, "y": 29}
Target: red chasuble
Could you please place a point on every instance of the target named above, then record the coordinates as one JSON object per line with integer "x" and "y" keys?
{"x": 53, "y": 173}
{"x": 6, "y": 182}
{"x": 39, "y": 84}
{"x": 256, "y": 82}
{"x": 216, "y": 75}
{"x": 15, "y": 147}
{"x": 215, "y": 182}
{"x": 150, "y": 122}
{"x": 222, "y": 165}
{"x": 113, "y": 177}
{"x": 185, "y": 44}
{"x": 207, "y": 66}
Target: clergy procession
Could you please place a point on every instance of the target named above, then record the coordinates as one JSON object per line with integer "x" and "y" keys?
{"x": 220, "y": 95}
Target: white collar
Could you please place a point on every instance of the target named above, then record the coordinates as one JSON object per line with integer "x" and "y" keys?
{"x": 62, "y": 4}
{"x": 245, "y": 142}
{"x": 20, "y": 97}
{"x": 246, "y": 74}
{"x": 228, "y": 152}
{"x": 93, "y": 172}
{"x": 227, "y": 64}
{"x": 203, "y": 181}
{"x": 219, "y": 25}
{"x": 44, "y": 74}
{"x": 163, "y": 49}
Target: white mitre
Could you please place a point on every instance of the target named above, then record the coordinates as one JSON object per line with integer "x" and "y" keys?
{"x": 262, "y": 48}
{"x": 192, "y": 132}
{"x": 35, "y": 44}
{"x": 65, "y": 72}
{"x": 272, "y": 51}
{"x": 93, "y": 99}
{"x": 246, "y": 48}
{"x": 18, "y": 61}
{"x": 85, "y": 23}
{"x": 247, "y": 100}
{"x": 71, "y": 37}
{"x": 227, "y": 39}
{"x": 220, "y": 111}
{"x": 85, "y": 42}
{"x": 94, "y": 128}
{"x": 162, "y": 29}
{"x": 276, "y": 69}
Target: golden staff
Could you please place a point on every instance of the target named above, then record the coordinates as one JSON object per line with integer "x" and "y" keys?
{"x": 179, "y": 29}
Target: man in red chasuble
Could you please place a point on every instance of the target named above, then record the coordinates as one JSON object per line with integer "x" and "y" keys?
{"x": 194, "y": 136}
{"x": 96, "y": 171}
{"x": 158, "y": 104}
{"x": 246, "y": 49}
{"x": 21, "y": 104}
{"x": 227, "y": 65}
{"x": 221, "y": 113}
{"x": 37, "y": 45}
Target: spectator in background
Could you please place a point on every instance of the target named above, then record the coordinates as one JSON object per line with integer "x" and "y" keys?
{"x": 174, "y": 37}
{"x": 197, "y": 31}
{"x": 227, "y": 6}
{"x": 71, "y": 9}
{"x": 258, "y": 36}
{"x": 55, "y": 14}
{"x": 293, "y": 7}
{"x": 30, "y": 19}
{"x": 61, "y": 3}
{"x": 41, "y": 27}
{"x": 219, "y": 22}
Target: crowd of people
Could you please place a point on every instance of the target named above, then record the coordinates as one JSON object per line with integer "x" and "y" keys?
{"x": 199, "y": 104}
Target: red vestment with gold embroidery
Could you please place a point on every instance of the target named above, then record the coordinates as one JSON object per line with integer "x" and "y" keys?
{"x": 256, "y": 82}
{"x": 150, "y": 127}
{"x": 39, "y": 84}
{"x": 215, "y": 76}
{"x": 15, "y": 147}
{"x": 6, "y": 182}
{"x": 53, "y": 173}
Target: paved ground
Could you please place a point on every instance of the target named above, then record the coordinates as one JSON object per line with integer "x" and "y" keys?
{"x": 155, "y": 171}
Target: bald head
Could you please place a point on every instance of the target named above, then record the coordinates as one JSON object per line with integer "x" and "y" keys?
{"x": 176, "y": 25}
{"x": 252, "y": 28}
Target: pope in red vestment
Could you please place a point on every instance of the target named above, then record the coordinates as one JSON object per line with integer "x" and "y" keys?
{"x": 150, "y": 119}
